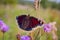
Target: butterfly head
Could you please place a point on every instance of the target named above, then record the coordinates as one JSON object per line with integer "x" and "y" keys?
{"x": 41, "y": 22}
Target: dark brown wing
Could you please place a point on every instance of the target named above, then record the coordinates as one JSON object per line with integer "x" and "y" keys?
{"x": 33, "y": 22}
{"x": 20, "y": 19}
{"x": 24, "y": 22}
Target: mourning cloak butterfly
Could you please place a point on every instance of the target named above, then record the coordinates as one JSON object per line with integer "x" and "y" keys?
{"x": 28, "y": 22}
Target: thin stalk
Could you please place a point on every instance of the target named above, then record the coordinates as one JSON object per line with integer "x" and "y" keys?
{"x": 3, "y": 37}
{"x": 37, "y": 34}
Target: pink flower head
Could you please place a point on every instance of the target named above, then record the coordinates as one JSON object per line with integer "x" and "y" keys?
{"x": 25, "y": 38}
{"x": 47, "y": 28}
{"x": 1, "y": 23}
{"x": 3, "y": 26}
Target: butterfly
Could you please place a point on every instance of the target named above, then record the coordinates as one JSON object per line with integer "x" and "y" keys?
{"x": 27, "y": 22}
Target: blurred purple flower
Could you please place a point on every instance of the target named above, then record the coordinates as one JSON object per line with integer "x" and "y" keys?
{"x": 3, "y": 26}
{"x": 1, "y": 23}
{"x": 47, "y": 28}
{"x": 25, "y": 38}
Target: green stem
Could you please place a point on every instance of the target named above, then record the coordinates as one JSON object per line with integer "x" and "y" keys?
{"x": 3, "y": 37}
{"x": 37, "y": 34}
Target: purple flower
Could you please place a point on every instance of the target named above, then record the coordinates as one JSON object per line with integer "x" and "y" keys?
{"x": 3, "y": 26}
{"x": 25, "y": 38}
{"x": 1, "y": 23}
{"x": 47, "y": 28}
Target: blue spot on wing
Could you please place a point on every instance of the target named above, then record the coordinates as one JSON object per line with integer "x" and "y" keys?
{"x": 27, "y": 29}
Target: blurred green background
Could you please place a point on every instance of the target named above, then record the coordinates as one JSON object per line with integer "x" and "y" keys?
{"x": 9, "y": 9}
